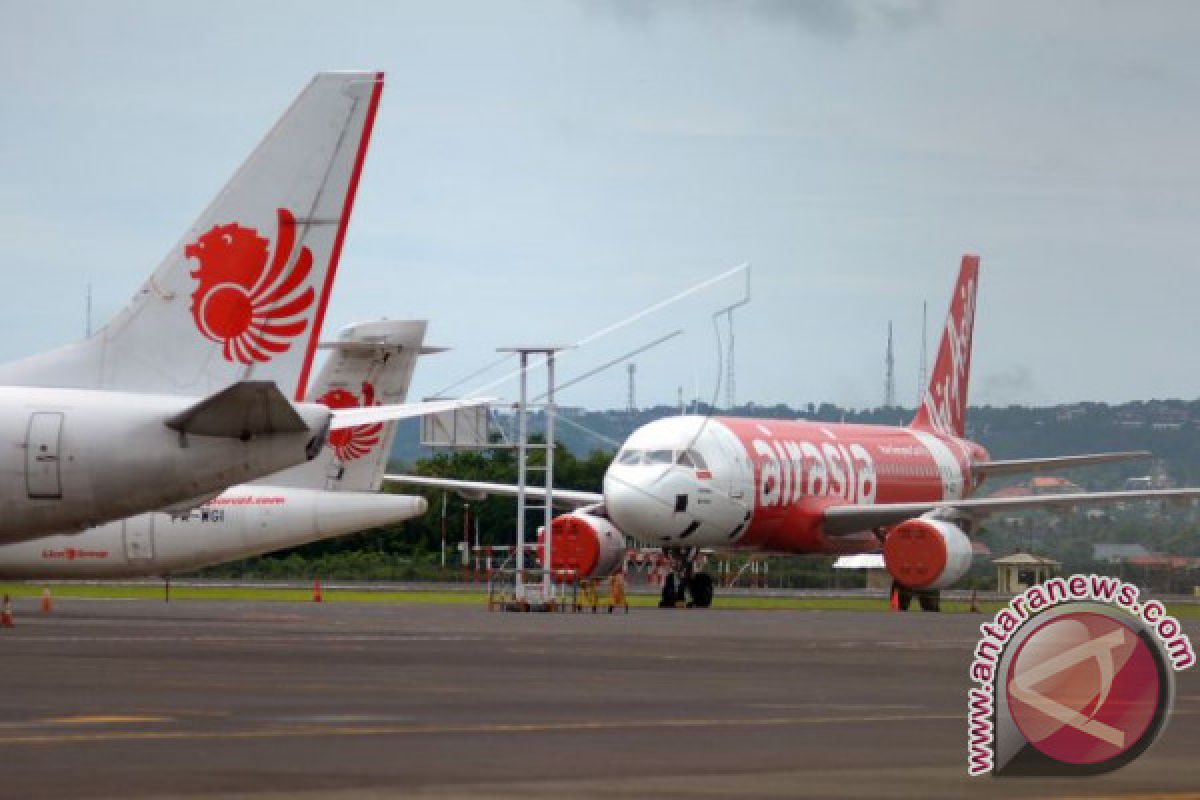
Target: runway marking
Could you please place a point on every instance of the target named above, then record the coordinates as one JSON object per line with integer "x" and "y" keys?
{"x": 842, "y": 706}
{"x": 582, "y": 726}
{"x": 255, "y": 640}
{"x": 104, "y": 719}
{"x": 1139, "y": 796}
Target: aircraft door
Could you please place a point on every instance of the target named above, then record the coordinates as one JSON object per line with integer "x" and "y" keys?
{"x": 43, "y": 446}
{"x": 139, "y": 538}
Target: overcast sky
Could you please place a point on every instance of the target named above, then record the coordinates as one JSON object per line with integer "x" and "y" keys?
{"x": 541, "y": 169}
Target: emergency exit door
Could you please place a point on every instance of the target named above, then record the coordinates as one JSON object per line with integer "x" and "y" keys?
{"x": 43, "y": 449}
{"x": 139, "y": 538}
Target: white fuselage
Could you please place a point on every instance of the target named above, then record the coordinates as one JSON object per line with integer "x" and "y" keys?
{"x": 763, "y": 484}
{"x": 242, "y": 522}
{"x": 75, "y": 458}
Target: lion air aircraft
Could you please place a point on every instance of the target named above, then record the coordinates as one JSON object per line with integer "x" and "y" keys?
{"x": 332, "y": 495}
{"x": 801, "y": 487}
{"x": 178, "y": 397}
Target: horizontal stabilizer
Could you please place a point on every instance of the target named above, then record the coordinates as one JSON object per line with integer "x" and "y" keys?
{"x": 240, "y": 411}
{"x": 1019, "y": 466}
{"x": 353, "y": 417}
{"x": 372, "y": 347}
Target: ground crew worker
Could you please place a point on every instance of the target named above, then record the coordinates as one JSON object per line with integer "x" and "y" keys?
{"x": 617, "y": 592}
{"x": 591, "y": 593}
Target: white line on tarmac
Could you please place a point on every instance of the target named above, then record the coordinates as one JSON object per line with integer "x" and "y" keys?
{"x": 582, "y": 726}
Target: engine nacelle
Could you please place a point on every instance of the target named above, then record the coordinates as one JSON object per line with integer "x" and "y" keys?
{"x": 584, "y": 545}
{"x": 927, "y": 553}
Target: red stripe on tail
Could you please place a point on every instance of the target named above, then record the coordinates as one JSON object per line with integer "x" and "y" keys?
{"x": 347, "y": 207}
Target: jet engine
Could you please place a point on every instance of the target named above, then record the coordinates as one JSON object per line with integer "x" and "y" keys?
{"x": 926, "y": 553}
{"x": 585, "y": 545}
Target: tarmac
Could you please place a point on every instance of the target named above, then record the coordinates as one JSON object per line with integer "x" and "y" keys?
{"x": 142, "y": 699}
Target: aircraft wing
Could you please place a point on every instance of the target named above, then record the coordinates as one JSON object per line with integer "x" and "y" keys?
{"x": 1022, "y": 465}
{"x": 353, "y": 417}
{"x": 569, "y": 498}
{"x": 844, "y": 520}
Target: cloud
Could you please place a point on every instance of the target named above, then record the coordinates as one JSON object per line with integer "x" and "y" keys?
{"x": 837, "y": 20}
{"x": 1011, "y": 386}
{"x": 907, "y": 14}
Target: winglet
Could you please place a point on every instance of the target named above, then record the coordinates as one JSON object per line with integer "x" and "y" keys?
{"x": 240, "y": 411}
{"x": 944, "y": 405}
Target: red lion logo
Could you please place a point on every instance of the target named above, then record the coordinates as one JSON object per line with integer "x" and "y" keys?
{"x": 252, "y": 308}
{"x": 356, "y": 442}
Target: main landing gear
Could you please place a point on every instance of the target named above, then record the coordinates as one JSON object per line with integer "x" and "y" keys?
{"x": 927, "y": 599}
{"x": 683, "y": 585}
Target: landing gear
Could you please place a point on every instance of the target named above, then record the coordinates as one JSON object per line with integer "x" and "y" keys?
{"x": 683, "y": 585}
{"x": 701, "y": 589}
{"x": 670, "y": 596}
{"x": 927, "y": 599}
{"x": 931, "y": 600}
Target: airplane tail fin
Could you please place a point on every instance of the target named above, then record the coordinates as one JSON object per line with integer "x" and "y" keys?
{"x": 242, "y": 295}
{"x": 370, "y": 364}
{"x": 944, "y": 405}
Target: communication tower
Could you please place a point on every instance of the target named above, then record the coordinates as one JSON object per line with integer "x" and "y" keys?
{"x": 730, "y": 370}
{"x": 923, "y": 371}
{"x": 889, "y": 384}
{"x": 631, "y": 403}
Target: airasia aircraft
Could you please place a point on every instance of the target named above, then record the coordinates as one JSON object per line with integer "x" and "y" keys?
{"x": 801, "y": 487}
{"x": 332, "y": 495}
{"x": 178, "y": 397}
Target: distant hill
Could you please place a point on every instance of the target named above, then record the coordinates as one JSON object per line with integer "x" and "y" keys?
{"x": 1168, "y": 428}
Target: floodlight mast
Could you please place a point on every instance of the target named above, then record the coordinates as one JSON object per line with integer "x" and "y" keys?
{"x": 523, "y": 505}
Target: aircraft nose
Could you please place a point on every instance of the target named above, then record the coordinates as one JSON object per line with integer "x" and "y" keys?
{"x": 637, "y": 509}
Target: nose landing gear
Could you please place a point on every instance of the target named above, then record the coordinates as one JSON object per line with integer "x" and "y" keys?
{"x": 701, "y": 588}
{"x": 683, "y": 585}
{"x": 927, "y": 599}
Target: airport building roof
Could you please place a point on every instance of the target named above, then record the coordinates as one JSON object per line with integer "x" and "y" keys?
{"x": 1026, "y": 560}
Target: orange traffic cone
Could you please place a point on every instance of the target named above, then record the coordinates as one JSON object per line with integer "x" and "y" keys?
{"x": 47, "y": 601}
{"x": 6, "y": 613}
{"x": 317, "y": 598}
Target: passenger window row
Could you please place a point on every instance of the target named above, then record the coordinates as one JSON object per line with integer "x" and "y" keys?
{"x": 909, "y": 470}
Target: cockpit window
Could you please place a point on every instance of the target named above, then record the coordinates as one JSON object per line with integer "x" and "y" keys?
{"x": 684, "y": 458}
{"x": 659, "y": 457}
{"x": 630, "y": 457}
